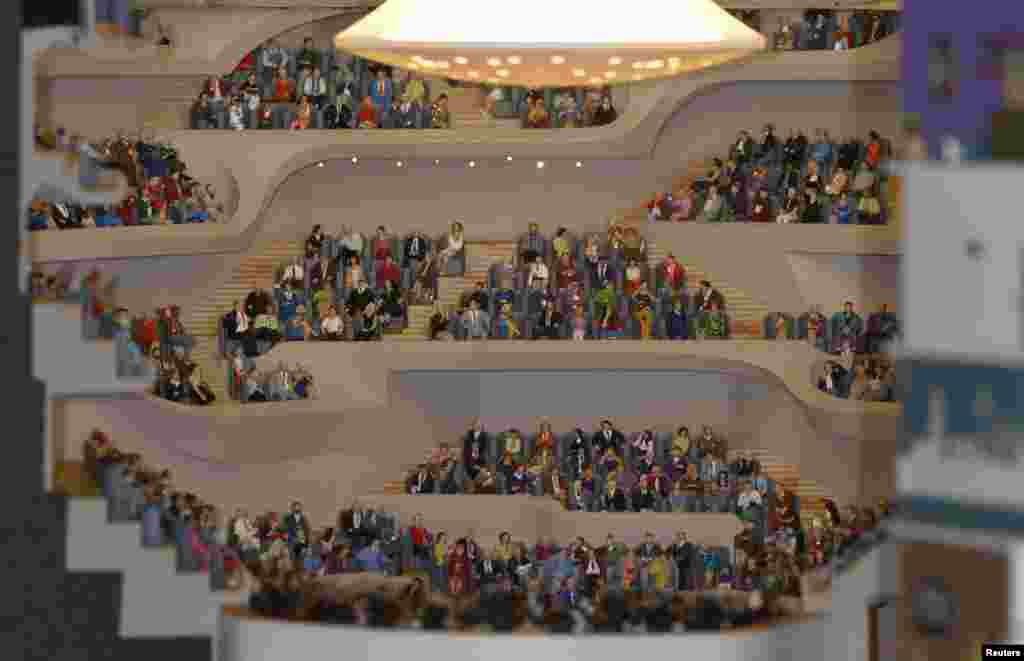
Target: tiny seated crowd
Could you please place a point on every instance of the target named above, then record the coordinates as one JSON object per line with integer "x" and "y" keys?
{"x": 136, "y": 491}
{"x": 603, "y": 471}
{"x": 310, "y": 88}
{"x": 825, "y": 29}
{"x": 599, "y": 286}
{"x": 864, "y": 378}
{"x": 863, "y": 369}
{"x": 163, "y": 192}
{"x": 145, "y": 347}
{"x": 548, "y": 587}
{"x": 311, "y": 291}
{"x": 287, "y": 560}
{"x": 846, "y": 329}
{"x": 795, "y": 181}
{"x": 161, "y": 346}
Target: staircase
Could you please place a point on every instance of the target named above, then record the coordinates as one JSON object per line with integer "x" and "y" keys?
{"x": 637, "y": 216}
{"x": 745, "y": 313}
{"x": 811, "y": 494}
{"x": 255, "y": 271}
{"x": 479, "y": 258}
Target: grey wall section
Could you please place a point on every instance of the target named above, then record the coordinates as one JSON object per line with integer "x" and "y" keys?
{"x": 829, "y": 280}
{"x": 454, "y": 394}
{"x": 571, "y": 398}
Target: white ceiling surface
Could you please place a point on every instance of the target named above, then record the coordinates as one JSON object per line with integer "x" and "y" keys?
{"x": 540, "y": 42}
{"x": 567, "y": 24}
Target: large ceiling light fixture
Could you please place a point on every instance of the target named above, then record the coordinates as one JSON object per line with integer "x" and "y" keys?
{"x": 550, "y": 44}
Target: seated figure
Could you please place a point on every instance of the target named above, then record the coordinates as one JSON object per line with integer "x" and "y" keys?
{"x": 673, "y": 275}
{"x": 566, "y": 274}
{"x": 533, "y": 245}
{"x": 633, "y": 276}
{"x": 643, "y": 310}
{"x": 761, "y": 208}
{"x": 606, "y": 305}
{"x": 281, "y": 385}
{"x": 614, "y": 498}
{"x": 676, "y": 322}
{"x": 440, "y": 117}
{"x": 512, "y": 452}
{"x": 439, "y": 323}
{"x": 392, "y": 305}
{"x": 847, "y": 328}
{"x": 543, "y": 471}
{"x": 883, "y": 326}
{"x": 563, "y": 245}
{"x": 549, "y": 323}
{"x": 633, "y": 245}
{"x": 476, "y": 322}
{"x": 713, "y": 324}
{"x": 579, "y": 323}
{"x": 297, "y": 328}
{"x": 454, "y": 246}
{"x": 367, "y": 118}
{"x": 332, "y": 326}
{"x": 505, "y": 325}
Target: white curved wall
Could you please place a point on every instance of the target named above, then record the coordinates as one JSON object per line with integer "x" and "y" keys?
{"x": 252, "y": 639}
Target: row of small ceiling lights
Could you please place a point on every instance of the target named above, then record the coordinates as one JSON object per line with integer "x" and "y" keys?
{"x": 437, "y": 161}
{"x": 673, "y": 62}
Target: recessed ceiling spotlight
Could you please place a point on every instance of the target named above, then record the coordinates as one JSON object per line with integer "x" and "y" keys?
{"x": 579, "y": 164}
{"x": 540, "y": 165}
{"x": 460, "y": 60}
{"x": 472, "y": 164}
{"x": 515, "y": 59}
{"x": 437, "y": 161}
{"x": 615, "y": 61}
{"x": 494, "y": 61}
{"x": 399, "y": 163}
{"x": 557, "y": 59}
{"x": 355, "y": 159}
{"x": 508, "y": 158}
{"x": 320, "y": 164}
{"x": 579, "y": 73}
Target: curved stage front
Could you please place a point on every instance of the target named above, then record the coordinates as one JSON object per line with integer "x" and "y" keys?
{"x": 247, "y": 637}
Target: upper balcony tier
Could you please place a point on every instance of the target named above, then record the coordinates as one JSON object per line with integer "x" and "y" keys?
{"x": 653, "y": 139}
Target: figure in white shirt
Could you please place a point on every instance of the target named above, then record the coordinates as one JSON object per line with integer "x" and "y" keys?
{"x": 293, "y": 273}
{"x": 538, "y": 274}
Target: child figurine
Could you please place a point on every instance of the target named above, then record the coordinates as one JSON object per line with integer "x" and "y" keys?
{"x": 841, "y": 212}
{"x": 579, "y": 323}
{"x": 519, "y": 480}
{"x": 586, "y": 490}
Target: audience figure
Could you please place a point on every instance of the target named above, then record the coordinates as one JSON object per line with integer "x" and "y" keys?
{"x": 476, "y": 322}
{"x": 847, "y": 329}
